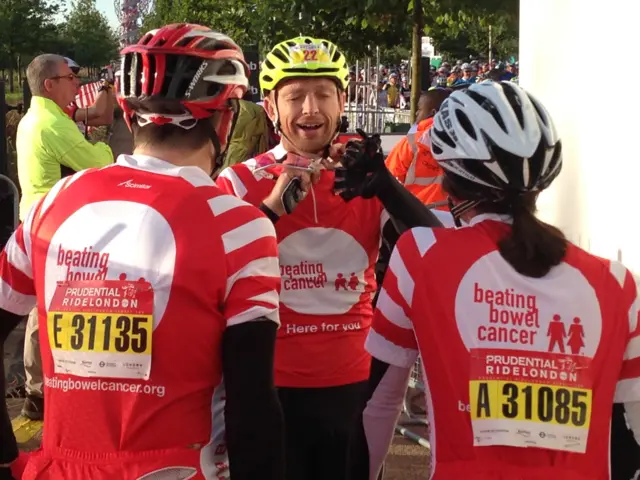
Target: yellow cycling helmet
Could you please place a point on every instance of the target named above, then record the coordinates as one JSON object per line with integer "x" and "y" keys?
{"x": 303, "y": 57}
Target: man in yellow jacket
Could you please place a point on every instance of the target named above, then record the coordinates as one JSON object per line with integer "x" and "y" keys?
{"x": 250, "y": 135}
{"x": 411, "y": 161}
{"x": 49, "y": 145}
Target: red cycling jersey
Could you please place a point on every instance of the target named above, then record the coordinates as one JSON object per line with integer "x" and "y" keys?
{"x": 137, "y": 269}
{"x": 328, "y": 248}
{"x": 520, "y": 372}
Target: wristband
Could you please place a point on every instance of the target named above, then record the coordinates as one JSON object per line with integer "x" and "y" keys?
{"x": 271, "y": 215}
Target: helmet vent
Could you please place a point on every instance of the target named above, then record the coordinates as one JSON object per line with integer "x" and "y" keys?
{"x": 541, "y": 114}
{"x": 444, "y": 136}
{"x": 488, "y": 106}
{"x": 151, "y": 59}
{"x": 280, "y": 55}
{"x": 211, "y": 45}
{"x": 184, "y": 42}
{"x": 514, "y": 101}
{"x": 144, "y": 40}
{"x": 465, "y": 123}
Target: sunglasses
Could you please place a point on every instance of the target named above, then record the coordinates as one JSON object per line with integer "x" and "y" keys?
{"x": 70, "y": 76}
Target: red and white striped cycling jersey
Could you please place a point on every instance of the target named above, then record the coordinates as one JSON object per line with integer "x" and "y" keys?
{"x": 137, "y": 268}
{"x": 328, "y": 248}
{"x": 510, "y": 361}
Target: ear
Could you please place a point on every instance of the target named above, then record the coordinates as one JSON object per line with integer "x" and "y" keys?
{"x": 270, "y": 106}
{"x": 48, "y": 85}
{"x": 342, "y": 98}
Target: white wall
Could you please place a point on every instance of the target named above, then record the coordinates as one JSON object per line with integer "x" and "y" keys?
{"x": 579, "y": 57}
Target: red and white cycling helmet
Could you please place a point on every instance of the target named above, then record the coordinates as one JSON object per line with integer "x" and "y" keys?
{"x": 203, "y": 70}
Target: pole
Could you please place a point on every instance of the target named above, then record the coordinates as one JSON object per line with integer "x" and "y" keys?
{"x": 4, "y": 158}
{"x": 416, "y": 56}
{"x": 490, "y": 46}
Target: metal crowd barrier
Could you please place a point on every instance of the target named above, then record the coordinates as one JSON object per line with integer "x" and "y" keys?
{"x": 374, "y": 119}
{"x": 411, "y": 417}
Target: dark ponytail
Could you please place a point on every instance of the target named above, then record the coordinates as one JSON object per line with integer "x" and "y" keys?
{"x": 533, "y": 248}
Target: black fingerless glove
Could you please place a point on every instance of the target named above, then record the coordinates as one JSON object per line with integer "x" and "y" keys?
{"x": 363, "y": 168}
{"x": 5, "y": 474}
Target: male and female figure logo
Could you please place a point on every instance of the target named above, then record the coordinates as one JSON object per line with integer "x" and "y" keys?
{"x": 557, "y": 335}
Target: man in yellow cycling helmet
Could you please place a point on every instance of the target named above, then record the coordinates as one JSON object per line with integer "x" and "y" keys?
{"x": 329, "y": 222}
{"x": 300, "y": 66}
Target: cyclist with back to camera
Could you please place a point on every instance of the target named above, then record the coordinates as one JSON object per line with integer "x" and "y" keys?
{"x": 527, "y": 339}
{"x": 328, "y": 245}
{"x": 150, "y": 284}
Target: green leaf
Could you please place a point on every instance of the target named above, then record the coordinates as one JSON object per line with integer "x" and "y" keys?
{"x": 364, "y": 23}
{"x": 410, "y": 6}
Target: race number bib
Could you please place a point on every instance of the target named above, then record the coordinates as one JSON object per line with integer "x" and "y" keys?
{"x": 309, "y": 53}
{"x": 102, "y": 328}
{"x": 530, "y": 399}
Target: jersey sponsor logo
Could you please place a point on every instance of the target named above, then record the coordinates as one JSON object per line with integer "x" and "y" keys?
{"x": 131, "y": 184}
{"x": 530, "y": 355}
{"x": 196, "y": 79}
{"x": 506, "y": 307}
{"x": 322, "y": 271}
{"x": 341, "y": 282}
{"x": 304, "y": 275}
{"x": 85, "y": 264}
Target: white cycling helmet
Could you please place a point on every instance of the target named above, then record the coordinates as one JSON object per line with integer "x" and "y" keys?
{"x": 75, "y": 68}
{"x": 495, "y": 140}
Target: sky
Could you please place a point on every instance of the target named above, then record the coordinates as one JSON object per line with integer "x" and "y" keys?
{"x": 106, "y": 7}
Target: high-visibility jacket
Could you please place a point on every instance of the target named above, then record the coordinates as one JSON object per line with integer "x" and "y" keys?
{"x": 411, "y": 162}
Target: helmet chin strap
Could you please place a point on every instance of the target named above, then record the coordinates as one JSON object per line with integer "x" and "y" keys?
{"x": 217, "y": 159}
{"x": 461, "y": 208}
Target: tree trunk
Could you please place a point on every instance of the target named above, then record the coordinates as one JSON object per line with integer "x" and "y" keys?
{"x": 19, "y": 65}
{"x": 416, "y": 55}
{"x": 11, "y": 80}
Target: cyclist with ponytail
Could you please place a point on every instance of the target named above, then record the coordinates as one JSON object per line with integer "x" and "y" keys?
{"x": 526, "y": 340}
